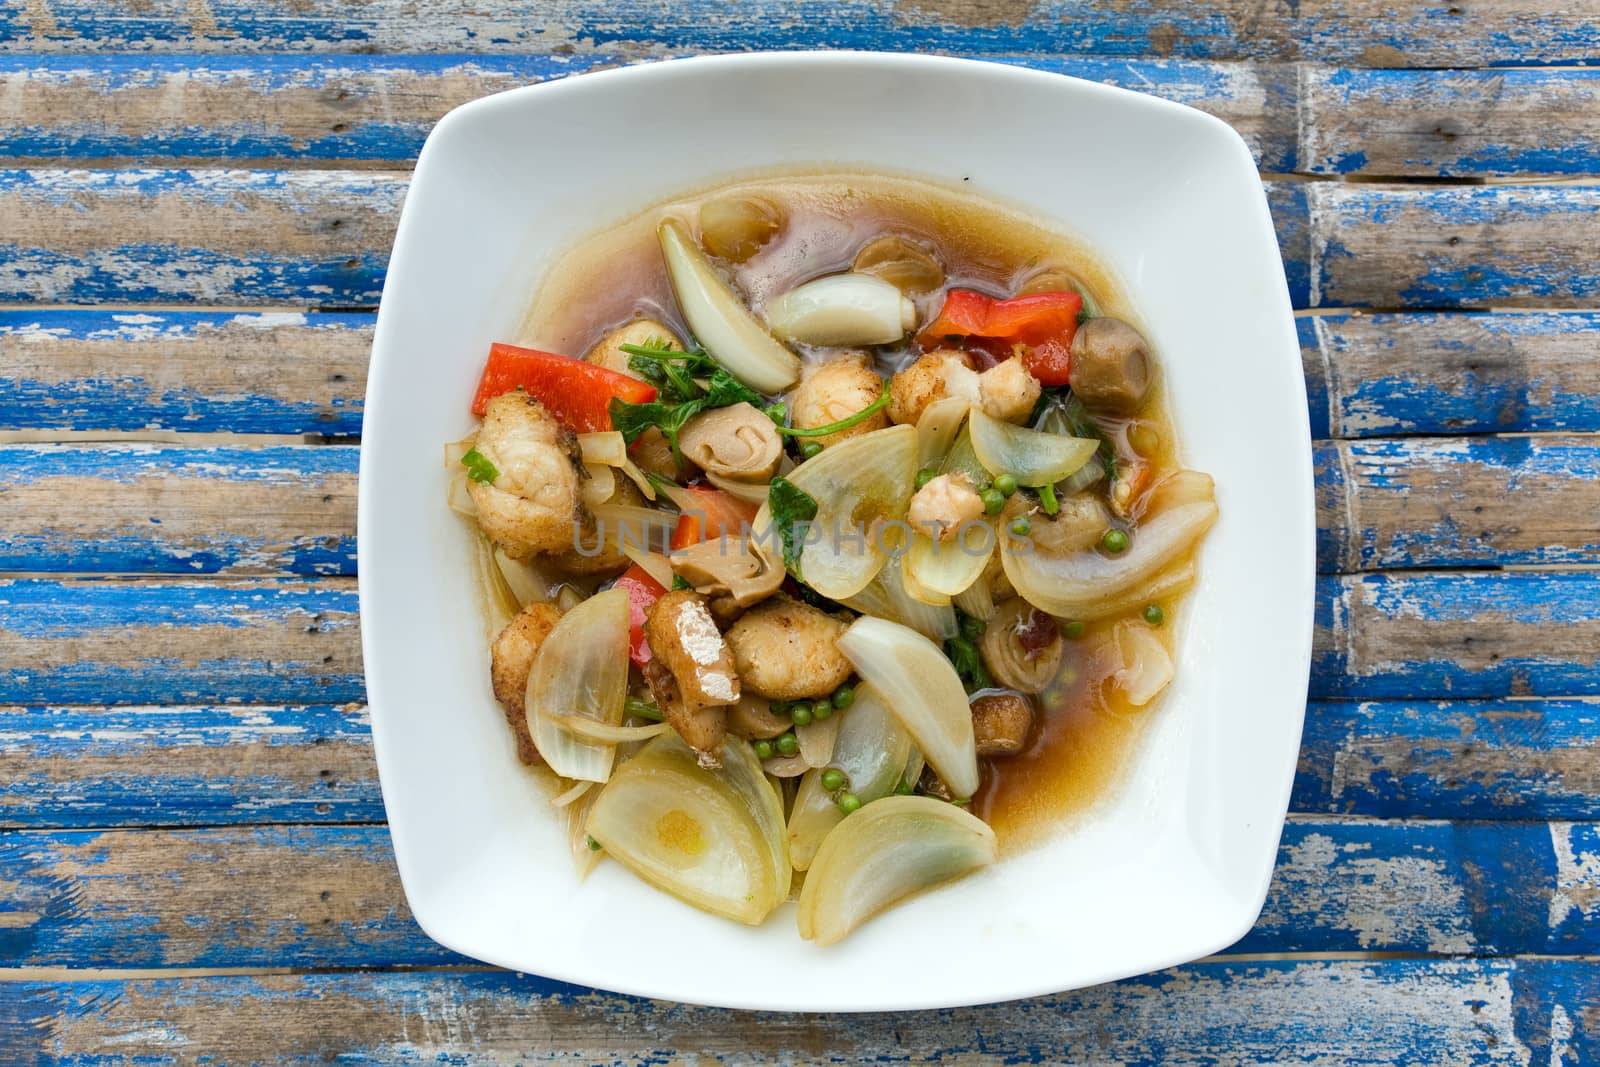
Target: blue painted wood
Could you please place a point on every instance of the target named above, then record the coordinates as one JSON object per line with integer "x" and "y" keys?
{"x": 111, "y": 642}
{"x": 187, "y": 511}
{"x": 1406, "y": 1013}
{"x": 217, "y": 897}
{"x": 186, "y": 766}
{"x": 1516, "y": 759}
{"x": 197, "y": 371}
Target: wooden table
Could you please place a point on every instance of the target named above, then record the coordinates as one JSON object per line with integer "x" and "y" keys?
{"x": 194, "y": 221}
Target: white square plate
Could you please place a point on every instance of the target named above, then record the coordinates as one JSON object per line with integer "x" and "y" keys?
{"x": 1176, "y": 865}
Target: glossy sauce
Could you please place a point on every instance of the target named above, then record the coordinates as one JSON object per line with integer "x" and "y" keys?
{"x": 1084, "y": 731}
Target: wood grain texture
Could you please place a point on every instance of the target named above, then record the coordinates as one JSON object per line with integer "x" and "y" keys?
{"x": 186, "y": 766}
{"x": 1453, "y": 123}
{"x": 140, "y": 642}
{"x": 1391, "y": 635}
{"x": 288, "y": 372}
{"x": 1441, "y": 502}
{"x": 144, "y": 508}
{"x": 1392, "y": 1012}
{"x": 278, "y": 372}
{"x": 1370, "y": 375}
{"x": 1513, "y": 759}
{"x": 322, "y": 238}
{"x": 1365, "y": 32}
{"x": 144, "y": 899}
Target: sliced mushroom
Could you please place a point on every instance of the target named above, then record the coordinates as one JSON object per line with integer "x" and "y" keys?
{"x": 736, "y": 441}
{"x": 727, "y": 567}
{"x": 1111, "y": 365}
{"x": 1021, "y": 646}
{"x": 1001, "y": 723}
{"x": 753, "y": 719}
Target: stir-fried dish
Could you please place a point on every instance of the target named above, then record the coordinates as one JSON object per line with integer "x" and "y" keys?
{"x": 833, "y": 525}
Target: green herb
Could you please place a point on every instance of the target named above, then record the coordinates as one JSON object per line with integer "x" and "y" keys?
{"x": 971, "y": 626}
{"x": 594, "y": 846}
{"x": 961, "y": 802}
{"x": 479, "y": 469}
{"x": 924, "y": 476}
{"x": 640, "y": 708}
{"x": 680, "y": 396}
{"x": 1072, "y": 629}
{"x": 810, "y": 450}
{"x": 845, "y": 423}
{"x": 1082, "y": 424}
{"x": 1047, "y": 499}
{"x": 968, "y": 663}
{"x": 791, "y": 506}
{"x": 680, "y": 582}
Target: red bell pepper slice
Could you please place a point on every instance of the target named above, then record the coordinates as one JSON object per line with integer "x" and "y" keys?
{"x": 716, "y": 513}
{"x": 643, "y": 591}
{"x": 1043, "y": 322}
{"x": 577, "y": 393}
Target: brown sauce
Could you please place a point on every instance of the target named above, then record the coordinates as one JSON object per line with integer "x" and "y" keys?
{"x": 1084, "y": 731}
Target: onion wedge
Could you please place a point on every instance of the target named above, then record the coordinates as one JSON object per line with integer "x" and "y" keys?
{"x": 923, "y": 691}
{"x": 947, "y": 568}
{"x": 842, "y": 309}
{"x": 884, "y": 853}
{"x": 603, "y": 448}
{"x": 937, "y": 428}
{"x": 712, "y": 838}
{"x": 1033, "y": 457}
{"x": 581, "y": 670}
{"x": 719, "y": 320}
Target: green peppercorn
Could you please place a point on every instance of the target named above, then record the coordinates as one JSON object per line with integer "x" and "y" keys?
{"x": 903, "y": 789}
{"x": 594, "y": 846}
{"x": 1072, "y": 629}
{"x": 924, "y": 476}
{"x": 1021, "y": 527}
{"x": 1114, "y": 541}
{"x": 801, "y": 713}
{"x": 786, "y": 744}
{"x": 1154, "y": 615}
{"x": 833, "y": 778}
{"x": 809, "y": 449}
{"x": 849, "y": 802}
{"x": 844, "y": 696}
{"x": 763, "y": 750}
{"x": 822, "y": 710}
{"x": 993, "y": 500}
{"x": 1006, "y": 483}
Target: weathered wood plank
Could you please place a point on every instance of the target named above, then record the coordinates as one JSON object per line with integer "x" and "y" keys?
{"x": 210, "y": 236}
{"x": 1445, "y": 246}
{"x": 276, "y": 372}
{"x": 287, "y": 372}
{"x": 217, "y": 897}
{"x": 1395, "y": 635}
{"x": 1393, "y": 1012}
{"x": 1457, "y": 635}
{"x": 321, "y": 108}
{"x": 186, "y": 766}
{"x": 1446, "y": 374}
{"x": 142, "y": 508}
{"x": 1443, "y": 502}
{"x": 140, "y": 642}
{"x": 1453, "y": 123}
{"x": 322, "y": 238}
{"x": 1518, "y": 759}
{"x": 1355, "y": 31}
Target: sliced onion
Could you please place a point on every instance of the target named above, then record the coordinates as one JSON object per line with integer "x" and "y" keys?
{"x": 855, "y": 483}
{"x": 919, "y": 592}
{"x": 924, "y": 692}
{"x": 884, "y": 853}
{"x": 603, "y": 448}
{"x": 914, "y": 764}
{"x": 654, "y": 564}
{"x": 948, "y": 568}
{"x": 720, "y": 321}
{"x": 638, "y": 477}
{"x": 887, "y": 598}
{"x": 606, "y": 734}
{"x": 712, "y": 838}
{"x": 457, "y": 449}
{"x": 570, "y": 794}
{"x": 786, "y": 767}
{"x": 961, "y": 459}
{"x": 459, "y": 499}
{"x": 1176, "y": 579}
{"x": 750, "y": 492}
{"x": 1086, "y": 585}
{"x": 842, "y": 309}
{"x": 584, "y": 858}
{"x": 629, "y": 524}
{"x": 568, "y": 597}
{"x": 499, "y": 598}
{"x": 977, "y": 600}
{"x": 1031, "y": 456}
{"x": 871, "y": 750}
{"x": 599, "y": 486}
{"x": 526, "y": 581}
{"x": 1085, "y": 476}
{"x": 1146, "y": 664}
{"x": 580, "y": 669}
{"x": 817, "y": 739}
{"x": 937, "y": 428}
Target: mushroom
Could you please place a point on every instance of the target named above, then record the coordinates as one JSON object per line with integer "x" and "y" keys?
{"x": 1111, "y": 366}
{"x": 727, "y": 567}
{"x": 1001, "y": 723}
{"x": 737, "y": 442}
{"x": 1021, "y": 646}
{"x": 754, "y": 720}
{"x": 901, "y": 262}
